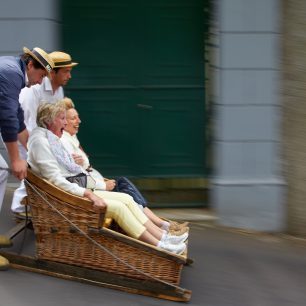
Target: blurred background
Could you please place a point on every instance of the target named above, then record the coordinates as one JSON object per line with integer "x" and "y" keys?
{"x": 200, "y": 102}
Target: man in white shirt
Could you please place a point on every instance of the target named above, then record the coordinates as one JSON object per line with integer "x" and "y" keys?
{"x": 50, "y": 90}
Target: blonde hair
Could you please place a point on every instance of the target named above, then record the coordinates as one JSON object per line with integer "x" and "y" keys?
{"x": 47, "y": 112}
{"x": 67, "y": 103}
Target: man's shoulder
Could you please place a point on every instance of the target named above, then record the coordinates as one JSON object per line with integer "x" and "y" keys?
{"x": 8, "y": 59}
{"x": 9, "y": 64}
{"x": 28, "y": 94}
{"x": 45, "y": 89}
{"x": 11, "y": 74}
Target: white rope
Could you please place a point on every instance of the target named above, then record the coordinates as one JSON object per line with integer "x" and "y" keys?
{"x": 99, "y": 245}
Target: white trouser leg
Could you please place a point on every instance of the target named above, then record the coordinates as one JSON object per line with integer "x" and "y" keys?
{"x": 19, "y": 194}
{"x": 3, "y": 179}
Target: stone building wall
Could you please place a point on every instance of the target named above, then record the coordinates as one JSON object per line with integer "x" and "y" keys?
{"x": 294, "y": 112}
{"x": 247, "y": 185}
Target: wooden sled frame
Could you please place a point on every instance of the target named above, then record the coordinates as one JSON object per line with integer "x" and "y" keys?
{"x": 146, "y": 279}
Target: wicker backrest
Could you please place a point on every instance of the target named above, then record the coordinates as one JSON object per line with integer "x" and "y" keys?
{"x": 57, "y": 192}
{"x": 42, "y": 194}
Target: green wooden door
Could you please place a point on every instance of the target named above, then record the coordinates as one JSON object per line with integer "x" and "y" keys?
{"x": 139, "y": 87}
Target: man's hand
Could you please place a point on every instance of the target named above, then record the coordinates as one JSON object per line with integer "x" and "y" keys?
{"x": 19, "y": 168}
{"x": 18, "y": 165}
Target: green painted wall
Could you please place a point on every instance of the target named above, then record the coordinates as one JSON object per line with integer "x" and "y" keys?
{"x": 139, "y": 87}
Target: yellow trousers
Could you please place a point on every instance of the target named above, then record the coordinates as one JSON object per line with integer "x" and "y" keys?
{"x": 125, "y": 211}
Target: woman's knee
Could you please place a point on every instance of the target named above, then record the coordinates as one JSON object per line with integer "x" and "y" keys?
{"x": 116, "y": 196}
{"x": 126, "y": 198}
{"x": 115, "y": 207}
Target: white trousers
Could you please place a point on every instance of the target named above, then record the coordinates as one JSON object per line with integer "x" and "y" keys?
{"x": 3, "y": 179}
{"x": 20, "y": 192}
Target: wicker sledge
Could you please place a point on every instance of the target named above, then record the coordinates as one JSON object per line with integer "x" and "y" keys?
{"x": 73, "y": 242}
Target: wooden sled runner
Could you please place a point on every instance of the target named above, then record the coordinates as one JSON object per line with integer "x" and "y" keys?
{"x": 73, "y": 243}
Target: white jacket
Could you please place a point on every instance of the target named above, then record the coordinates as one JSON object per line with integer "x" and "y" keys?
{"x": 72, "y": 145}
{"x": 44, "y": 163}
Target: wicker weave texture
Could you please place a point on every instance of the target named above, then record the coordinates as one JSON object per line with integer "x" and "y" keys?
{"x": 57, "y": 240}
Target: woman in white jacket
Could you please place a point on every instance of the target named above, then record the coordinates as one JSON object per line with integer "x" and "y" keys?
{"x": 49, "y": 159}
{"x": 72, "y": 145}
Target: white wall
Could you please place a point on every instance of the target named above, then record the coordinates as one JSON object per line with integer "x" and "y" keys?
{"x": 247, "y": 187}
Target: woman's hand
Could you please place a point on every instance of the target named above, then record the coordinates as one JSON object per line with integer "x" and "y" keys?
{"x": 78, "y": 159}
{"x": 98, "y": 202}
{"x": 110, "y": 185}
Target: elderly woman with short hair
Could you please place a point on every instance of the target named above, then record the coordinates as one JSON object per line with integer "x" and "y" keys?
{"x": 49, "y": 159}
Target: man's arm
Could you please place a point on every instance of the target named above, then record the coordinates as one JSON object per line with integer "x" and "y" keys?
{"x": 18, "y": 165}
{"x": 10, "y": 121}
{"x": 23, "y": 138}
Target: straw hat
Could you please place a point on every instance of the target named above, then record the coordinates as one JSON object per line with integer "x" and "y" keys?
{"x": 61, "y": 59}
{"x": 41, "y": 56}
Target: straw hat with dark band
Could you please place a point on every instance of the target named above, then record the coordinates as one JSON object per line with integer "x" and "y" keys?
{"x": 41, "y": 56}
{"x": 61, "y": 59}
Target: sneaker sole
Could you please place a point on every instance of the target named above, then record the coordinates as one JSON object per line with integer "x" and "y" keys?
{"x": 4, "y": 268}
{"x": 6, "y": 245}
{"x": 182, "y": 252}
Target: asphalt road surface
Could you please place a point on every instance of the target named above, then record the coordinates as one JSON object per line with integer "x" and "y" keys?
{"x": 230, "y": 268}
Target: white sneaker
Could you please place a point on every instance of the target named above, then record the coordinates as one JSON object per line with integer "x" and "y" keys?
{"x": 4, "y": 263}
{"x": 173, "y": 248}
{"x": 176, "y": 239}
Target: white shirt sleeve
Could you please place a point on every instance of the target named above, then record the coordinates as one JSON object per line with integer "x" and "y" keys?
{"x": 42, "y": 159}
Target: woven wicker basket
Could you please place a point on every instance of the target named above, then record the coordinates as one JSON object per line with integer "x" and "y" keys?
{"x": 58, "y": 240}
